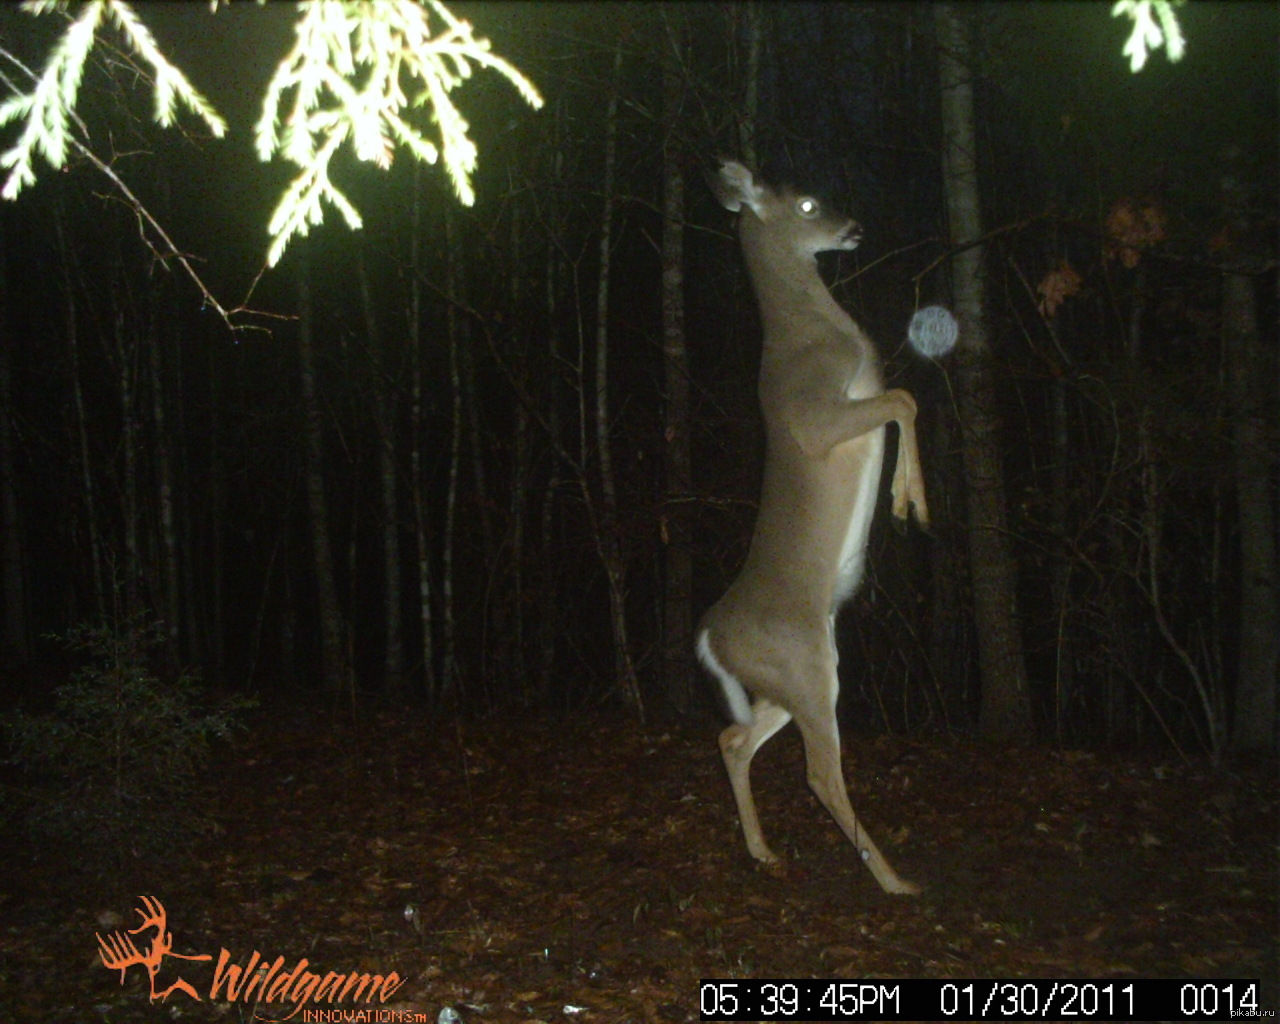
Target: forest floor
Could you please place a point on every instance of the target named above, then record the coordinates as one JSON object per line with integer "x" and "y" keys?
{"x": 588, "y": 870}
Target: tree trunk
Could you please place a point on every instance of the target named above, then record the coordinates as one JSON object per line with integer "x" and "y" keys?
{"x": 215, "y": 622}
{"x": 96, "y": 554}
{"x": 384, "y": 415}
{"x": 750, "y": 125}
{"x": 126, "y": 354}
{"x": 519, "y": 475}
{"x": 549, "y": 617}
{"x": 1060, "y": 574}
{"x": 450, "y": 681}
{"x": 194, "y": 619}
{"x": 415, "y": 452}
{"x": 169, "y": 609}
{"x": 677, "y": 631}
{"x": 1006, "y": 707}
{"x": 14, "y": 643}
{"x": 950, "y": 643}
{"x": 332, "y": 631}
{"x": 607, "y": 523}
{"x": 1253, "y": 404}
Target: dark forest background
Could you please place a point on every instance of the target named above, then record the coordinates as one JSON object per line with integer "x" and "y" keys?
{"x": 472, "y": 465}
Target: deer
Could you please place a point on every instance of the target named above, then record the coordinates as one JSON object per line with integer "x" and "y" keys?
{"x": 769, "y": 642}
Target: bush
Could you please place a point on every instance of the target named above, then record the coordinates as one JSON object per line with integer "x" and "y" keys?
{"x": 114, "y": 764}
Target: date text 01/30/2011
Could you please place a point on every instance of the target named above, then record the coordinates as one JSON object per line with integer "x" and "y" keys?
{"x": 972, "y": 1000}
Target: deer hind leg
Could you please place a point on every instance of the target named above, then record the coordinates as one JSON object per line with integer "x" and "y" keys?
{"x": 738, "y": 745}
{"x": 826, "y": 779}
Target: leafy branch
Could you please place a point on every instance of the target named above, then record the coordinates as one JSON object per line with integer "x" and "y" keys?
{"x": 48, "y": 107}
{"x": 357, "y": 72}
{"x": 1147, "y": 34}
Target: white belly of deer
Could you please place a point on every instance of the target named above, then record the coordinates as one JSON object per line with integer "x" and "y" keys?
{"x": 853, "y": 552}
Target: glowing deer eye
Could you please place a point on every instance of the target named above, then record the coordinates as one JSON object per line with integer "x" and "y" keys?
{"x": 807, "y": 207}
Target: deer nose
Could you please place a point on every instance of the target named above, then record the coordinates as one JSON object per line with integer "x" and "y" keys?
{"x": 852, "y": 234}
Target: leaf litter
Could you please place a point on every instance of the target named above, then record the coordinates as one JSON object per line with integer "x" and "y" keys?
{"x": 548, "y": 869}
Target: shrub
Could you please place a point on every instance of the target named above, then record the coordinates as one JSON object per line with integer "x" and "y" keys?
{"x": 114, "y": 763}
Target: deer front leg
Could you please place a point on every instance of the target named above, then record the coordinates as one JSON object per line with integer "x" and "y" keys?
{"x": 819, "y": 426}
{"x": 738, "y": 745}
{"x": 908, "y": 477}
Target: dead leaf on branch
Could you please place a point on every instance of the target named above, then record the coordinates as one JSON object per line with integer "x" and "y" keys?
{"x": 1056, "y": 287}
{"x": 1132, "y": 227}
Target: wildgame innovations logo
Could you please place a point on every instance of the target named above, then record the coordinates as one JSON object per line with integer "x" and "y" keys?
{"x": 260, "y": 984}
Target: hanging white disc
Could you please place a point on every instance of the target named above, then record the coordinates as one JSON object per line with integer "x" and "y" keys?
{"x": 933, "y": 331}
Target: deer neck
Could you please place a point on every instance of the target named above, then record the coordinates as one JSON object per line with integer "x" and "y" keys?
{"x": 791, "y": 292}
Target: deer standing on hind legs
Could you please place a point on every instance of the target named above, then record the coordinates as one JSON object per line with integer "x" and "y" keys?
{"x": 825, "y": 408}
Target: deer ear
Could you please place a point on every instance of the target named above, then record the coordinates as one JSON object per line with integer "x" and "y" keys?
{"x": 735, "y": 187}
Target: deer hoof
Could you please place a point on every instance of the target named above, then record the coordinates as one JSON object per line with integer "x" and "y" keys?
{"x": 774, "y": 867}
{"x": 901, "y": 887}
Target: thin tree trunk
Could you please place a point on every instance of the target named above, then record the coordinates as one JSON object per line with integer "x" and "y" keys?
{"x": 1253, "y": 405}
{"x": 1060, "y": 574}
{"x": 949, "y": 645}
{"x": 332, "y": 642}
{"x": 353, "y": 547}
{"x": 471, "y": 407}
{"x": 607, "y": 523}
{"x": 96, "y": 554}
{"x": 126, "y": 353}
{"x": 170, "y": 605}
{"x": 1006, "y": 707}
{"x": 519, "y": 474}
{"x": 288, "y": 623}
{"x": 450, "y": 682}
{"x": 751, "y": 115}
{"x": 415, "y": 453}
{"x": 167, "y": 590}
{"x": 14, "y": 644}
{"x": 194, "y": 618}
{"x": 216, "y": 628}
{"x": 384, "y": 414}
{"x": 475, "y": 434}
{"x": 549, "y": 619}
{"x": 677, "y": 638}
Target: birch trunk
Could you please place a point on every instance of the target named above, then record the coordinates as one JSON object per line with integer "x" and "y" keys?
{"x": 677, "y": 638}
